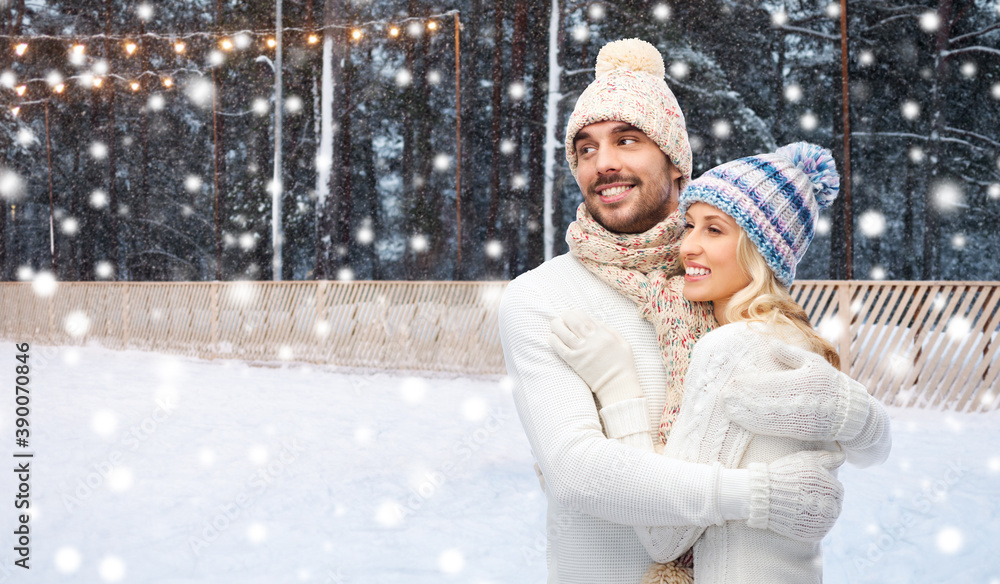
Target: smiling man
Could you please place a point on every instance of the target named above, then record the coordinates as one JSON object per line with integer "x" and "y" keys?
{"x": 627, "y": 146}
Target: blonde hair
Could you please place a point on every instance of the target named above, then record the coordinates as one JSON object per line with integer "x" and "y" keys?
{"x": 765, "y": 300}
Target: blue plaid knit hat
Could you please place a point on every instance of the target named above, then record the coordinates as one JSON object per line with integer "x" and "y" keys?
{"x": 776, "y": 198}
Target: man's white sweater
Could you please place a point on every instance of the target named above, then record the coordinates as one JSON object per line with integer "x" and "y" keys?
{"x": 598, "y": 488}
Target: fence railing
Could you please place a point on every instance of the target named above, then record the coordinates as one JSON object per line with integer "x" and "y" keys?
{"x": 919, "y": 344}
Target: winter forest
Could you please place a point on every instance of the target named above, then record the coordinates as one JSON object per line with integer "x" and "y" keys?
{"x": 138, "y": 139}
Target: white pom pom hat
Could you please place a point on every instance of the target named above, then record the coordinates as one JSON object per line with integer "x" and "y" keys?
{"x": 630, "y": 88}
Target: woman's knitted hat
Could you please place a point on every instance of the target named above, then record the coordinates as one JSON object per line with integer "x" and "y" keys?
{"x": 776, "y": 198}
{"x": 630, "y": 88}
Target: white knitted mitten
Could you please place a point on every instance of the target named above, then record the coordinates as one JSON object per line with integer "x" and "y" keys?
{"x": 598, "y": 354}
{"x": 796, "y": 496}
{"x": 797, "y": 395}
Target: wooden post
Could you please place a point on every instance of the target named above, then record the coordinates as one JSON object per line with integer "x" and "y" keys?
{"x": 458, "y": 149}
{"x": 846, "y": 183}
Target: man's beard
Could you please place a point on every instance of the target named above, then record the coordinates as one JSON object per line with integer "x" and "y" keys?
{"x": 645, "y": 211}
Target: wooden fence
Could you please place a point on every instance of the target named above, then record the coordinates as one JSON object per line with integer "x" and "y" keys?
{"x": 918, "y": 344}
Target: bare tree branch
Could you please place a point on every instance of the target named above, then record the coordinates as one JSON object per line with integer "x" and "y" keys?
{"x": 973, "y": 49}
{"x": 961, "y": 38}
{"x": 809, "y": 32}
{"x": 973, "y": 135}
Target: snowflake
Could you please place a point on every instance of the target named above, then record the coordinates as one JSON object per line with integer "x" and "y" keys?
{"x": 144, "y": 11}
{"x": 261, "y": 107}
{"x": 156, "y": 102}
{"x": 506, "y": 146}
{"x": 413, "y": 390}
{"x": 661, "y": 12}
{"x": 949, "y": 540}
{"x": 120, "y": 479}
{"x": 206, "y": 457}
{"x": 363, "y": 435}
{"x": 722, "y": 129}
{"x": 993, "y": 191}
{"x": 947, "y": 196}
{"x": 216, "y": 58}
{"x": 242, "y": 40}
{"x": 248, "y": 241}
{"x": 293, "y": 104}
{"x": 8, "y": 79}
{"x": 193, "y": 183}
{"x": 809, "y": 121}
{"x": 104, "y": 423}
{"x": 581, "y": 33}
{"x": 994, "y": 465}
{"x": 793, "y": 93}
{"x": 831, "y": 329}
{"x": 365, "y": 235}
{"x": 872, "y": 223}
{"x": 516, "y": 91}
{"x": 100, "y": 67}
{"x": 11, "y": 185}
{"x": 98, "y": 150}
{"x": 256, "y": 533}
{"x": 200, "y": 92}
{"x": 53, "y": 78}
{"x": 242, "y": 292}
{"x": 474, "y": 408}
{"x": 442, "y": 162}
{"x": 833, "y": 10}
{"x": 823, "y": 226}
{"x": 104, "y": 270}
{"x": 389, "y": 514}
{"x": 900, "y": 364}
{"x": 679, "y": 69}
{"x": 958, "y": 241}
{"x": 418, "y": 243}
{"x": 995, "y": 90}
{"x": 910, "y": 109}
{"x": 596, "y": 11}
{"x": 434, "y": 77}
{"x": 415, "y": 29}
{"x": 44, "y": 284}
{"x": 958, "y": 328}
{"x": 25, "y": 273}
{"x": 519, "y": 181}
{"x": 322, "y": 329}
{"x": 403, "y": 78}
{"x": 930, "y": 21}
{"x": 77, "y": 57}
{"x": 257, "y": 454}
{"x": 877, "y": 273}
{"x": 779, "y": 18}
{"x": 494, "y": 249}
{"x": 451, "y": 561}
{"x": 345, "y": 274}
{"x": 111, "y": 569}
{"x": 68, "y": 560}
{"x": 968, "y": 69}
{"x": 916, "y": 154}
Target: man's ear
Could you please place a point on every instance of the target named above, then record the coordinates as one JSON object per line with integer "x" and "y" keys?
{"x": 675, "y": 173}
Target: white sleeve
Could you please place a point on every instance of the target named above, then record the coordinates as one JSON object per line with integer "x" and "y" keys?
{"x": 584, "y": 470}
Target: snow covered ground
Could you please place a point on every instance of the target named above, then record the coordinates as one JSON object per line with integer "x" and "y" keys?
{"x": 157, "y": 468}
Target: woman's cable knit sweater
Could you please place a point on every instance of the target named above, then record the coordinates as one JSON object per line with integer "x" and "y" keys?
{"x": 735, "y": 552}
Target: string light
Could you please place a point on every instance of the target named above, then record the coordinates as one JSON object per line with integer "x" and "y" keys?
{"x": 179, "y": 47}
{"x": 21, "y": 48}
{"x": 59, "y": 87}
{"x": 226, "y": 44}
{"x": 79, "y": 49}
{"x": 394, "y": 31}
{"x": 21, "y": 89}
{"x": 272, "y": 43}
{"x": 97, "y": 82}
{"x": 432, "y": 25}
{"x": 356, "y": 34}
{"x": 313, "y": 39}
{"x": 135, "y": 86}
{"x": 15, "y": 110}
{"x": 130, "y": 48}
{"x": 168, "y": 82}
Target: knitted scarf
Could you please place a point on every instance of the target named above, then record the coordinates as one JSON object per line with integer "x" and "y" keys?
{"x": 646, "y": 268}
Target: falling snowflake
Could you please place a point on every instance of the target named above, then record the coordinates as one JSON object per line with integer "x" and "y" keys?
{"x": 866, "y": 58}
{"x": 833, "y": 10}
{"x": 68, "y": 560}
{"x": 100, "y": 67}
{"x": 831, "y": 329}
{"x": 156, "y": 102}
{"x": 877, "y": 273}
{"x": 206, "y": 457}
{"x": 793, "y": 93}
{"x": 947, "y": 196}
{"x": 809, "y": 121}
{"x": 413, "y": 390}
{"x": 363, "y": 435}
{"x": 25, "y": 273}
{"x": 104, "y": 423}
{"x": 216, "y": 58}
{"x": 8, "y": 79}
{"x": 199, "y": 91}
{"x": 872, "y": 223}
{"x": 242, "y": 40}
{"x": 900, "y": 365}
{"x": 474, "y": 409}
{"x": 442, "y": 162}
{"x": 993, "y": 191}
{"x": 519, "y": 181}
{"x": 968, "y": 69}
{"x": 994, "y": 465}
{"x": 596, "y": 11}
{"x": 242, "y": 292}
{"x": 293, "y": 104}
{"x": 679, "y": 70}
{"x": 257, "y": 454}
{"x": 345, "y": 274}
{"x": 516, "y": 91}
{"x": 823, "y": 226}
{"x": 910, "y": 109}
{"x": 506, "y": 146}
{"x": 53, "y": 78}
{"x": 930, "y": 21}
{"x": 451, "y": 561}
{"x": 144, "y": 11}
{"x": 696, "y": 143}
{"x": 722, "y": 129}
{"x": 419, "y": 243}
{"x": 958, "y": 241}
{"x": 779, "y": 18}
{"x": 11, "y": 185}
{"x": 995, "y": 90}
{"x": 44, "y": 284}
{"x": 415, "y": 29}
{"x": 494, "y": 249}
{"x": 581, "y": 33}
{"x": 403, "y": 78}
{"x": 256, "y": 533}
{"x": 949, "y": 540}
{"x": 261, "y": 107}
{"x": 389, "y": 514}
{"x": 958, "y": 328}
{"x": 98, "y": 150}
{"x": 193, "y": 183}
{"x": 434, "y": 77}
{"x": 916, "y": 154}
{"x": 104, "y": 270}
{"x": 111, "y": 569}
{"x": 322, "y": 329}
{"x": 120, "y": 479}
{"x": 661, "y": 12}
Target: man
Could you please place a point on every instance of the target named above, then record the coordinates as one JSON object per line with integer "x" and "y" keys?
{"x": 627, "y": 146}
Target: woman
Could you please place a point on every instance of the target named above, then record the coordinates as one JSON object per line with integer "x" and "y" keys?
{"x": 748, "y": 395}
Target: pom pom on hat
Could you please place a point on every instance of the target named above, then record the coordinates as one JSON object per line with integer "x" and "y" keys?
{"x": 631, "y": 54}
{"x": 817, "y": 164}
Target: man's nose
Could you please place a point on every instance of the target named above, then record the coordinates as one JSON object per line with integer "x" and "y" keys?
{"x": 608, "y": 161}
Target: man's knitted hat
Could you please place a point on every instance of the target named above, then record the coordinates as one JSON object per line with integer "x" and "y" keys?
{"x": 630, "y": 88}
{"x": 775, "y": 198}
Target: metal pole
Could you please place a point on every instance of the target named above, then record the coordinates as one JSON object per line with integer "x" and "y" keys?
{"x": 215, "y": 148}
{"x": 458, "y": 148}
{"x": 276, "y": 187}
{"x": 52, "y": 228}
{"x": 846, "y": 183}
